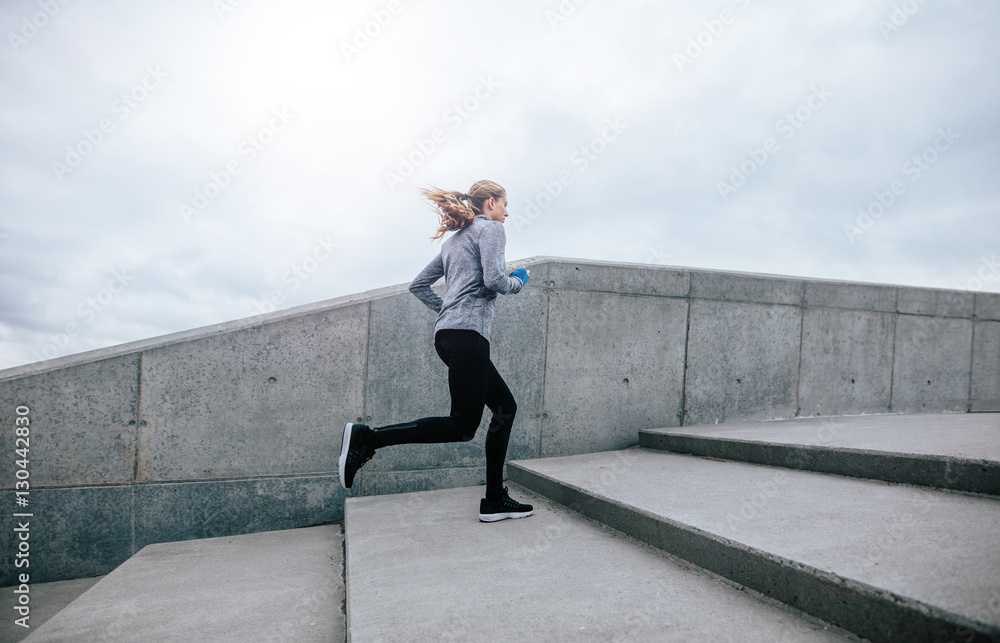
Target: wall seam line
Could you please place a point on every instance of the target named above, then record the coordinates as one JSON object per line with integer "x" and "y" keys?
{"x": 972, "y": 359}
{"x": 136, "y": 443}
{"x": 892, "y": 369}
{"x": 364, "y": 382}
{"x": 545, "y": 368}
{"x": 798, "y": 374}
{"x": 687, "y": 339}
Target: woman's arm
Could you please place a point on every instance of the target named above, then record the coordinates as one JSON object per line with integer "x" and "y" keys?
{"x": 421, "y": 286}
{"x": 492, "y": 242}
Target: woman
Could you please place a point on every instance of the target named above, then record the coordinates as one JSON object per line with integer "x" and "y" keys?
{"x": 472, "y": 263}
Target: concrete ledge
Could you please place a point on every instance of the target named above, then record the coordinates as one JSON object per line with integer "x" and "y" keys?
{"x": 977, "y": 476}
{"x": 855, "y": 296}
{"x": 872, "y": 611}
{"x": 950, "y": 451}
{"x": 936, "y": 302}
{"x": 746, "y": 288}
{"x": 279, "y": 585}
{"x": 988, "y": 305}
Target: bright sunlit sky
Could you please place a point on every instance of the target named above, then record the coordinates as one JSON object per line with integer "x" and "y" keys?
{"x": 167, "y": 166}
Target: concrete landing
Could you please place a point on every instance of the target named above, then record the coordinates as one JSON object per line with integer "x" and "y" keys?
{"x": 959, "y": 451}
{"x": 889, "y": 562}
{"x": 421, "y": 567}
{"x": 277, "y": 585}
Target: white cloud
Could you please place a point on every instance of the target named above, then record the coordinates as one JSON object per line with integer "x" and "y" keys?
{"x": 652, "y": 193}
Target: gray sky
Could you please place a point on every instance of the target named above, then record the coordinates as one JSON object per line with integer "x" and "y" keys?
{"x": 167, "y": 166}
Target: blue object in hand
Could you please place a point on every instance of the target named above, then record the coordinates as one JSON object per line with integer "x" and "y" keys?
{"x": 521, "y": 274}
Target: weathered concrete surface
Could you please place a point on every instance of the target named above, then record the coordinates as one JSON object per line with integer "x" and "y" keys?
{"x": 79, "y": 532}
{"x": 742, "y": 361}
{"x": 613, "y": 362}
{"x": 972, "y": 436}
{"x": 82, "y": 423}
{"x": 421, "y": 567}
{"x": 270, "y": 586}
{"x": 376, "y": 482}
{"x": 888, "y": 562}
{"x": 988, "y": 306}
{"x": 257, "y": 401}
{"x": 47, "y": 600}
{"x": 959, "y": 451}
{"x": 932, "y": 364}
{"x": 76, "y": 532}
{"x": 846, "y": 365}
{"x": 853, "y": 296}
{"x": 604, "y": 276}
{"x": 266, "y": 397}
{"x": 194, "y": 510}
{"x": 939, "y": 303}
{"x": 736, "y": 286}
{"x": 986, "y": 366}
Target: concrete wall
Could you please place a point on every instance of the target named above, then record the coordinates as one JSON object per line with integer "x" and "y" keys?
{"x": 235, "y": 428}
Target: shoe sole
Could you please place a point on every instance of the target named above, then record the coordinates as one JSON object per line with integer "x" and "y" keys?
{"x": 344, "y": 447}
{"x": 496, "y": 517}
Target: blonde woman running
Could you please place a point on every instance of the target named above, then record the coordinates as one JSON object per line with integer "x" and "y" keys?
{"x": 472, "y": 264}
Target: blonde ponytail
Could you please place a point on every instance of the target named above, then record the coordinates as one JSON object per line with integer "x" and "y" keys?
{"x": 457, "y": 210}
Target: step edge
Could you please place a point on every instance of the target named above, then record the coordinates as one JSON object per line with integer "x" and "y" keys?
{"x": 948, "y": 472}
{"x": 907, "y": 612}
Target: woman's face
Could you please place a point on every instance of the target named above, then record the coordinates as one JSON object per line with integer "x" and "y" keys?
{"x": 496, "y": 208}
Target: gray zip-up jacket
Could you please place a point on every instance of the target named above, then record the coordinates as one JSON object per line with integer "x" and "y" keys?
{"x": 472, "y": 264}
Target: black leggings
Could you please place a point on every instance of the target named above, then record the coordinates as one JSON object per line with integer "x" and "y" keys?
{"x": 473, "y": 382}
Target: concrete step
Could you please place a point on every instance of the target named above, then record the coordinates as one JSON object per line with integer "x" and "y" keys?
{"x": 959, "y": 451}
{"x": 888, "y": 562}
{"x": 421, "y": 567}
{"x": 268, "y": 586}
{"x": 47, "y": 600}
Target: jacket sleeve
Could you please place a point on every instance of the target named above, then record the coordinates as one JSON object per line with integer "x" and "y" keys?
{"x": 492, "y": 242}
{"x": 421, "y": 286}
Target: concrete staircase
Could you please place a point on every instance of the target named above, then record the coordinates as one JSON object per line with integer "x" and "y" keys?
{"x": 824, "y": 526}
{"x": 883, "y": 527}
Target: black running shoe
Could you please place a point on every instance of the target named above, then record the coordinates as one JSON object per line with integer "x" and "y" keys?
{"x": 354, "y": 453}
{"x": 503, "y": 508}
